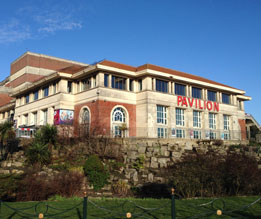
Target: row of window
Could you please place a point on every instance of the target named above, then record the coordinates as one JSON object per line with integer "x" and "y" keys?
{"x": 25, "y": 118}
{"x": 121, "y": 83}
{"x": 180, "y": 118}
{"x": 195, "y": 134}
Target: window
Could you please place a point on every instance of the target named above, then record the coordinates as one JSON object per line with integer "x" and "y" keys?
{"x": 46, "y": 91}
{"x": 180, "y": 89}
{"x": 226, "y": 127}
{"x": 180, "y": 133}
{"x": 161, "y": 86}
{"x": 161, "y": 114}
{"x": 197, "y": 134}
{"x": 106, "y": 80}
{"x": 196, "y": 119}
{"x": 140, "y": 84}
{"x": 118, "y": 83}
{"x": 225, "y": 98}
{"x": 180, "y": 117}
{"x": 119, "y": 122}
{"x": 36, "y": 95}
{"x": 86, "y": 84}
{"x": 212, "y": 120}
{"x": 45, "y": 117}
{"x": 27, "y": 98}
{"x": 196, "y": 92}
{"x": 212, "y": 135}
{"x": 131, "y": 85}
{"x": 85, "y": 122}
{"x": 35, "y": 118}
{"x": 162, "y": 132}
{"x": 69, "y": 87}
{"x": 240, "y": 105}
{"x": 212, "y": 96}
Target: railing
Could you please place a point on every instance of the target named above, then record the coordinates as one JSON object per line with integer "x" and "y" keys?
{"x": 129, "y": 209}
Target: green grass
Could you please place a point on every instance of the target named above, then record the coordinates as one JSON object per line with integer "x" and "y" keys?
{"x": 98, "y": 208}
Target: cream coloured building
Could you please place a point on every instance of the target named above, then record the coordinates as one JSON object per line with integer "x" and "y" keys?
{"x": 113, "y": 99}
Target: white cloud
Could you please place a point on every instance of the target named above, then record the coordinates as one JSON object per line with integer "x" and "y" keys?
{"x": 53, "y": 22}
{"x": 38, "y": 22}
{"x": 14, "y": 31}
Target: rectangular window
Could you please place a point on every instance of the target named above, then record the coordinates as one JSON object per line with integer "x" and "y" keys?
{"x": 35, "y": 118}
{"x": 161, "y": 114}
{"x": 162, "y": 132}
{"x": 196, "y": 119}
{"x": 180, "y": 89}
{"x": 131, "y": 85}
{"x": 86, "y": 84}
{"x": 212, "y": 120}
{"x": 197, "y": 134}
{"x": 196, "y": 92}
{"x": 45, "y": 116}
{"x": 212, "y": 96}
{"x": 180, "y": 133}
{"x": 212, "y": 135}
{"x": 69, "y": 87}
{"x": 106, "y": 80}
{"x": 180, "y": 120}
{"x": 27, "y": 98}
{"x": 226, "y": 122}
{"x": 140, "y": 84}
{"x": 161, "y": 86}
{"x": 225, "y": 98}
{"x": 118, "y": 83}
{"x": 36, "y": 95}
{"x": 46, "y": 91}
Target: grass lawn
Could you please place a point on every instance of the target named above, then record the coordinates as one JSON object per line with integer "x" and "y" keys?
{"x": 232, "y": 207}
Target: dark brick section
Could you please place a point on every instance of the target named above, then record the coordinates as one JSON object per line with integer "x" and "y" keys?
{"x": 242, "y": 124}
{"x": 100, "y": 112}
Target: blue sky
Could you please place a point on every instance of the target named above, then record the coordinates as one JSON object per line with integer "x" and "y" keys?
{"x": 216, "y": 39}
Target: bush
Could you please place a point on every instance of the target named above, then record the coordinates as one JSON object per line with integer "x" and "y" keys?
{"x": 205, "y": 175}
{"x": 96, "y": 173}
{"x": 9, "y": 184}
{"x": 38, "y": 153}
{"x": 41, "y": 187}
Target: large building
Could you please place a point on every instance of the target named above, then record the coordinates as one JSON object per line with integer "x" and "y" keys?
{"x": 113, "y": 99}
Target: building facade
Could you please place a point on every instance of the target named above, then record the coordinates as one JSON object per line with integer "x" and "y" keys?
{"x": 113, "y": 99}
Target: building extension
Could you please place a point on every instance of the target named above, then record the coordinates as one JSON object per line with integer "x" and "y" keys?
{"x": 113, "y": 99}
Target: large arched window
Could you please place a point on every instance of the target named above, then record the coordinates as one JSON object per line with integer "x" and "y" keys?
{"x": 84, "y": 121}
{"x": 119, "y": 122}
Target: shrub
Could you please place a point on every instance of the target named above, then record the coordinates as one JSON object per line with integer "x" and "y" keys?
{"x": 38, "y": 153}
{"x": 121, "y": 188}
{"x": 9, "y": 184}
{"x": 41, "y": 187}
{"x": 96, "y": 173}
{"x": 202, "y": 175}
{"x": 46, "y": 135}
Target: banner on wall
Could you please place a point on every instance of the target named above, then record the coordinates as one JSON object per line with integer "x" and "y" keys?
{"x": 63, "y": 117}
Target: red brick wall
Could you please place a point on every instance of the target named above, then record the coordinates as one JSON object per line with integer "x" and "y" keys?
{"x": 100, "y": 112}
{"x": 242, "y": 124}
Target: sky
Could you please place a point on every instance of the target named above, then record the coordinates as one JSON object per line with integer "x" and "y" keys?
{"x": 216, "y": 39}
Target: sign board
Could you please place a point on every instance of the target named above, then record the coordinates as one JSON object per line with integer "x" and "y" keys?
{"x": 63, "y": 117}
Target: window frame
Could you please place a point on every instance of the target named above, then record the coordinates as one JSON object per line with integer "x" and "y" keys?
{"x": 178, "y": 88}
{"x": 196, "y": 89}
{"x": 180, "y": 117}
{"x": 162, "y": 86}
{"x": 210, "y": 96}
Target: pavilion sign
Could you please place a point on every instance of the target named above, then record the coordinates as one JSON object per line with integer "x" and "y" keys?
{"x": 198, "y": 104}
